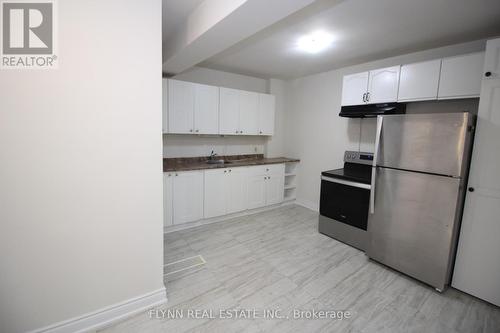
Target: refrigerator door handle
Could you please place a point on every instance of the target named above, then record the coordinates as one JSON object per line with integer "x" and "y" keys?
{"x": 372, "y": 191}
{"x": 380, "y": 120}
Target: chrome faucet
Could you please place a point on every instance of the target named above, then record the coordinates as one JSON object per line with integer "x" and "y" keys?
{"x": 212, "y": 156}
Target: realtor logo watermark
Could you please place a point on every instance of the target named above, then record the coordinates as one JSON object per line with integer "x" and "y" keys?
{"x": 28, "y": 34}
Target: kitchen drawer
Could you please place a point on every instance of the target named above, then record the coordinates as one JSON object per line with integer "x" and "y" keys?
{"x": 268, "y": 169}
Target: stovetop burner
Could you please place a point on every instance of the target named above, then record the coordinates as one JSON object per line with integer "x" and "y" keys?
{"x": 357, "y": 168}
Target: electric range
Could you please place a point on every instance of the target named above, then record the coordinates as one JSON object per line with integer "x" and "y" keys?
{"x": 344, "y": 200}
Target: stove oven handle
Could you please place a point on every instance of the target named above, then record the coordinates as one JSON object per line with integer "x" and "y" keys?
{"x": 346, "y": 182}
{"x": 380, "y": 120}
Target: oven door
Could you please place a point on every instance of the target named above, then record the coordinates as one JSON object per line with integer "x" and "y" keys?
{"x": 345, "y": 201}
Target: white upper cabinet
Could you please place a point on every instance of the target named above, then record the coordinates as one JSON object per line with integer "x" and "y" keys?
{"x": 229, "y": 111}
{"x": 267, "y": 106}
{"x": 192, "y": 108}
{"x": 206, "y": 109}
{"x": 249, "y": 113}
{"x": 492, "y": 60}
{"x": 461, "y": 76}
{"x": 419, "y": 81}
{"x": 354, "y": 88}
{"x": 180, "y": 107}
{"x": 377, "y": 86}
{"x": 246, "y": 113}
{"x": 383, "y": 85}
{"x": 164, "y": 105}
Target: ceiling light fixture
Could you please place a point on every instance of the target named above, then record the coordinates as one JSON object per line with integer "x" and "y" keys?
{"x": 315, "y": 42}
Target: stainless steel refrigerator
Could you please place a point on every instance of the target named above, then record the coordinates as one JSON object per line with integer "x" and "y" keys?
{"x": 418, "y": 177}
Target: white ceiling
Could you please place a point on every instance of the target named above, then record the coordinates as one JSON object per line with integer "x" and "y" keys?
{"x": 174, "y": 12}
{"x": 364, "y": 30}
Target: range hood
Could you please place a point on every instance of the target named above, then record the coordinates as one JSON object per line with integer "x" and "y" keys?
{"x": 372, "y": 110}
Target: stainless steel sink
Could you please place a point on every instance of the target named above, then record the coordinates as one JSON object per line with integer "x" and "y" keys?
{"x": 218, "y": 162}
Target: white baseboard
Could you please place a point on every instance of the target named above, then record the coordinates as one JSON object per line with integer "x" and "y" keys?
{"x": 308, "y": 204}
{"x": 198, "y": 223}
{"x": 108, "y": 315}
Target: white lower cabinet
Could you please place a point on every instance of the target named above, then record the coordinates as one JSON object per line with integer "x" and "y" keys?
{"x": 214, "y": 193}
{"x": 225, "y": 191}
{"x": 193, "y": 195}
{"x": 274, "y": 189}
{"x": 167, "y": 199}
{"x": 256, "y": 191}
{"x": 236, "y": 190}
{"x": 187, "y": 196}
{"x": 266, "y": 185}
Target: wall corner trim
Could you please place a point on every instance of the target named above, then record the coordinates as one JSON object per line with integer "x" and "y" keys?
{"x": 108, "y": 315}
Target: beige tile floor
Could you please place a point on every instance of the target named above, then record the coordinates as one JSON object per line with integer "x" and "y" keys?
{"x": 278, "y": 260}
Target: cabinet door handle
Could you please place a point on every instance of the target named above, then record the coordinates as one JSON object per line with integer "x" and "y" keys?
{"x": 236, "y": 132}
{"x": 197, "y": 131}
{"x": 229, "y": 170}
{"x": 487, "y": 74}
{"x": 225, "y": 171}
{"x": 260, "y": 132}
{"x": 367, "y": 96}
{"x": 364, "y": 97}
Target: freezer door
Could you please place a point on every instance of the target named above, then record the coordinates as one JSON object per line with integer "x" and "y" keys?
{"x": 412, "y": 226}
{"x": 432, "y": 143}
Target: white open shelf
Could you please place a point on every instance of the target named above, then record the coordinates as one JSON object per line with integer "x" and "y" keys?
{"x": 291, "y": 168}
{"x": 290, "y": 181}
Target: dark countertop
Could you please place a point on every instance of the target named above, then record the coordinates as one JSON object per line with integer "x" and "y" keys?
{"x": 200, "y": 163}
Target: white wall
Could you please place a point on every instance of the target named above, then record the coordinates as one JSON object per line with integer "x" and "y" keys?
{"x": 223, "y": 79}
{"x": 318, "y": 136}
{"x": 275, "y": 146}
{"x": 189, "y": 145}
{"x": 81, "y": 169}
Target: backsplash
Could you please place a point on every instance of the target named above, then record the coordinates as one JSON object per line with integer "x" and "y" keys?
{"x": 202, "y": 145}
